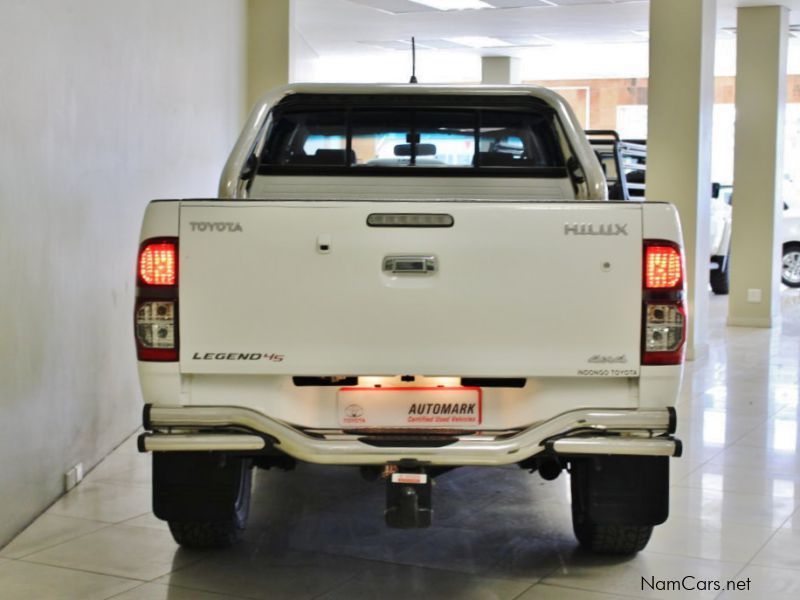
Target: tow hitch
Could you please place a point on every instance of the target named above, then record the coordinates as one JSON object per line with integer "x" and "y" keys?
{"x": 408, "y": 497}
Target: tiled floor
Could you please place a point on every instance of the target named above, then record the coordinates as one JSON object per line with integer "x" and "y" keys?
{"x": 500, "y": 533}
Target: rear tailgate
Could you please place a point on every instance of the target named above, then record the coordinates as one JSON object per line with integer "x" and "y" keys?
{"x": 516, "y": 292}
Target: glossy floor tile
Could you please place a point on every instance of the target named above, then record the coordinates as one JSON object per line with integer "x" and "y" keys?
{"x": 551, "y": 592}
{"x": 49, "y": 530}
{"x": 273, "y": 574}
{"x": 766, "y": 583}
{"x": 107, "y": 502}
{"x": 782, "y": 551}
{"x": 20, "y": 580}
{"x": 398, "y": 582}
{"x": 157, "y": 591}
{"x": 644, "y": 576}
{"x": 121, "y": 550}
{"x": 499, "y": 534}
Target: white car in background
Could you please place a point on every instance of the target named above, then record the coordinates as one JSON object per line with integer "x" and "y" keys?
{"x": 721, "y": 219}
{"x": 790, "y": 263}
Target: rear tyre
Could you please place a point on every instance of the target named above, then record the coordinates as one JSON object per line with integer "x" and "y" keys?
{"x": 205, "y": 498}
{"x": 790, "y": 266}
{"x": 203, "y": 535}
{"x": 718, "y": 277}
{"x": 612, "y": 539}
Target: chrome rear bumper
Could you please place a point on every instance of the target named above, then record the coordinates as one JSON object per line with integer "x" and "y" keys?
{"x": 593, "y": 431}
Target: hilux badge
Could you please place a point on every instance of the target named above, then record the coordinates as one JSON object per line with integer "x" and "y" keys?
{"x": 607, "y": 229}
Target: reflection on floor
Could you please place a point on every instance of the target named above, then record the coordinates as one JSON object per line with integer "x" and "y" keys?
{"x": 500, "y": 533}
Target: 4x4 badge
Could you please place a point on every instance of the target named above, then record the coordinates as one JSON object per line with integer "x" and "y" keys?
{"x": 604, "y": 359}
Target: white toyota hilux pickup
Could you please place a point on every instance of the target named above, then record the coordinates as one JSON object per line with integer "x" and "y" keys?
{"x": 409, "y": 279}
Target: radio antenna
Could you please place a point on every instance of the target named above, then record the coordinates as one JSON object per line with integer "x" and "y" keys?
{"x": 413, "y": 60}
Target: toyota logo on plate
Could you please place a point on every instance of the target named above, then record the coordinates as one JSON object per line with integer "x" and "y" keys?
{"x": 354, "y": 411}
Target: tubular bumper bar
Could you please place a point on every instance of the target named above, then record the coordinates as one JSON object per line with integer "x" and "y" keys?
{"x": 631, "y": 446}
{"x": 591, "y": 431}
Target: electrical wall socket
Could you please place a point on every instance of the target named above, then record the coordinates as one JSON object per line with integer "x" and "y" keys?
{"x": 754, "y": 295}
{"x": 73, "y": 477}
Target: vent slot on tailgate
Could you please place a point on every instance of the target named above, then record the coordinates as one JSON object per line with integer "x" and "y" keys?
{"x": 494, "y": 382}
{"x": 325, "y": 381}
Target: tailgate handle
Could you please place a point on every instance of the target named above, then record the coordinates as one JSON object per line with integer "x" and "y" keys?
{"x": 410, "y": 265}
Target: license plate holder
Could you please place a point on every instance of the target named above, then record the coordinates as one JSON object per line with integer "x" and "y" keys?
{"x": 410, "y": 407}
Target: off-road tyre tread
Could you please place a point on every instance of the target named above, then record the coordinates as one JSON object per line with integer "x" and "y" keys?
{"x": 202, "y": 535}
{"x": 613, "y": 539}
{"x": 206, "y": 535}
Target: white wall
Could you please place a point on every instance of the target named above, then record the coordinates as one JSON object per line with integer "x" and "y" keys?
{"x": 104, "y": 104}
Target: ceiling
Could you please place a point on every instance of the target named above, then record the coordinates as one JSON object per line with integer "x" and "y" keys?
{"x": 348, "y": 26}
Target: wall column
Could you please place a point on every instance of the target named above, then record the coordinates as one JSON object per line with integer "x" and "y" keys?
{"x": 268, "y": 25}
{"x": 681, "y": 100}
{"x": 500, "y": 70}
{"x": 761, "y": 48}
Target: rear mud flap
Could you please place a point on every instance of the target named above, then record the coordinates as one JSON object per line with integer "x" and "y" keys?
{"x": 621, "y": 490}
{"x": 198, "y": 486}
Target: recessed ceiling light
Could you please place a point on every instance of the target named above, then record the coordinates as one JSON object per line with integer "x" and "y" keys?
{"x": 454, "y": 4}
{"x": 478, "y": 41}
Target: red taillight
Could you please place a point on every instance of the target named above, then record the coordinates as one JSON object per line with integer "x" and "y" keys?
{"x": 156, "y": 312}
{"x": 664, "y": 315}
{"x": 158, "y": 264}
{"x": 662, "y": 267}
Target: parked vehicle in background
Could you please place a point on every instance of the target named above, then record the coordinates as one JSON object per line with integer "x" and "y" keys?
{"x": 625, "y": 165}
{"x": 790, "y": 262}
{"x": 720, "y": 238}
{"x": 721, "y": 222}
{"x": 406, "y": 280}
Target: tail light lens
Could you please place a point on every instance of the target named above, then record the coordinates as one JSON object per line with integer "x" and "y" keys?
{"x": 158, "y": 263}
{"x": 663, "y": 267}
{"x": 664, "y": 315}
{"x": 156, "y": 314}
{"x": 664, "y": 334}
{"x": 155, "y": 330}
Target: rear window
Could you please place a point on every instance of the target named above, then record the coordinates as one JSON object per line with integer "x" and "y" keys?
{"x": 360, "y": 139}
